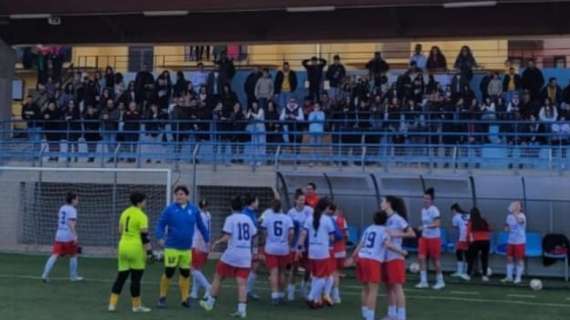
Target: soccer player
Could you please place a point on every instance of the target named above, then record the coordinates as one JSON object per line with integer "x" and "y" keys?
{"x": 299, "y": 213}
{"x": 200, "y": 250}
{"x": 278, "y": 231}
{"x": 339, "y": 252}
{"x": 239, "y": 231}
{"x": 66, "y": 240}
{"x": 311, "y": 196}
{"x": 251, "y": 206}
{"x": 430, "y": 242}
{"x": 516, "y": 227}
{"x": 319, "y": 230}
{"x": 133, "y": 227}
{"x": 394, "y": 268}
{"x": 460, "y": 221}
{"x": 369, "y": 256}
{"x": 175, "y": 232}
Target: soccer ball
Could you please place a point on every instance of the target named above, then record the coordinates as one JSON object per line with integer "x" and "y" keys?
{"x": 414, "y": 267}
{"x": 489, "y": 272}
{"x": 536, "y": 284}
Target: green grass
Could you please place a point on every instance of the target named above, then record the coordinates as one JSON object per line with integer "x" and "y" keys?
{"x": 23, "y": 296}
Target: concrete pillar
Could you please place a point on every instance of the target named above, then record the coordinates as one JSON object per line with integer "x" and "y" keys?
{"x": 7, "y": 68}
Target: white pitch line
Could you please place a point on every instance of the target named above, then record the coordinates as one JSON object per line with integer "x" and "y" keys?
{"x": 468, "y": 293}
{"x": 348, "y": 293}
{"x": 528, "y": 296}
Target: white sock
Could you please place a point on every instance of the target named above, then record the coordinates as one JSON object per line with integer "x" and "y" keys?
{"x": 291, "y": 289}
{"x": 460, "y": 267}
{"x": 363, "y": 311}
{"x": 73, "y": 267}
{"x": 401, "y": 313}
{"x": 313, "y": 293}
{"x": 336, "y": 293}
{"x": 251, "y": 281}
{"x": 49, "y": 265}
{"x": 392, "y": 311}
{"x": 329, "y": 283}
{"x": 369, "y": 314}
{"x": 510, "y": 268}
{"x": 423, "y": 276}
{"x": 242, "y": 308}
{"x": 195, "y": 287}
{"x": 520, "y": 270}
{"x": 281, "y": 294}
{"x": 210, "y": 300}
{"x": 317, "y": 288}
{"x": 439, "y": 278}
{"x": 275, "y": 295}
{"x": 201, "y": 279}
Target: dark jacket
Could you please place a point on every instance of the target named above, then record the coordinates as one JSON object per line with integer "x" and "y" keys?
{"x": 91, "y": 127}
{"x": 213, "y": 81}
{"x": 249, "y": 85}
{"x": 544, "y": 94}
{"x": 566, "y": 95}
{"x": 377, "y": 67}
{"x": 279, "y": 81}
{"x": 507, "y": 79}
{"x": 132, "y": 125}
{"x": 144, "y": 85}
{"x": 227, "y": 69}
{"x": 335, "y": 74}
{"x": 31, "y": 113}
{"x": 438, "y": 63}
{"x": 155, "y": 122}
{"x": 315, "y": 71}
{"x": 532, "y": 80}
{"x": 110, "y": 119}
{"x": 72, "y": 124}
{"x": 53, "y": 124}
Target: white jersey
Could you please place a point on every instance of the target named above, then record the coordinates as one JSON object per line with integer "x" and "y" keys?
{"x": 372, "y": 243}
{"x": 277, "y": 226}
{"x": 241, "y": 230}
{"x": 198, "y": 242}
{"x": 66, "y": 212}
{"x": 460, "y": 221}
{"x": 299, "y": 218}
{"x": 396, "y": 222}
{"x": 319, "y": 240}
{"x": 429, "y": 216}
{"x": 517, "y": 230}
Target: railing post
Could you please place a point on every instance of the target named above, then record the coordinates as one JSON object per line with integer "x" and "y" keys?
{"x": 363, "y": 158}
{"x": 194, "y": 163}
{"x": 116, "y": 155}
{"x": 277, "y": 154}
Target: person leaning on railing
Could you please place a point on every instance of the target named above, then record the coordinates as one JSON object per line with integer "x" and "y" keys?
{"x": 72, "y": 117}
{"x": 91, "y": 125}
{"x": 52, "y": 128}
{"x": 110, "y": 116}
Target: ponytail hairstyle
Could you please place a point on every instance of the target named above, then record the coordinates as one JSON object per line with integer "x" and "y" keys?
{"x": 276, "y": 205}
{"x": 457, "y": 208}
{"x": 478, "y": 223}
{"x": 398, "y": 206}
{"x": 380, "y": 218}
{"x": 321, "y": 206}
{"x": 431, "y": 193}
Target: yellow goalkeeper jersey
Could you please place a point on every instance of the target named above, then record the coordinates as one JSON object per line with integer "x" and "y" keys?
{"x": 132, "y": 221}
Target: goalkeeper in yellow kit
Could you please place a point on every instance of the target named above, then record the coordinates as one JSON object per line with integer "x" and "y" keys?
{"x": 134, "y": 248}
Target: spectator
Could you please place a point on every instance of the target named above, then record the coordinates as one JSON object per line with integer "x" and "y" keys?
{"x": 484, "y": 84}
{"x": 273, "y": 128}
{"x": 66, "y": 95}
{"x": 181, "y": 123}
{"x": 163, "y": 87}
{"x": 153, "y": 129}
{"x": 181, "y": 86}
{"x": 552, "y": 91}
{"x": 40, "y": 96}
{"x": 512, "y": 84}
{"x": 204, "y": 114}
{"x": 316, "y": 129}
{"x": 532, "y": 80}
{"x": 264, "y": 89}
{"x": 377, "y": 69}
{"x": 110, "y": 117}
{"x": 52, "y": 128}
{"x": 131, "y": 130}
{"x": 229, "y": 98}
{"x": 119, "y": 86}
{"x": 479, "y": 238}
{"x": 495, "y": 87}
{"x": 418, "y": 58}
{"x": 200, "y": 76}
{"x": 129, "y": 95}
{"x": 109, "y": 78}
{"x": 214, "y": 88}
{"x": 91, "y": 134}
{"x": 102, "y": 99}
{"x": 32, "y": 114}
{"x": 566, "y": 95}
{"x": 335, "y": 75}
{"x": 436, "y": 61}
{"x": 255, "y": 117}
{"x": 548, "y": 114}
{"x": 458, "y": 85}
{"x": 528, "y": 107}
{"x": 250, "y": 83}
{"x": 465, "y": 63}
{"x": 292, "y": 118}
{"x": 226, "y": 67}
{"x": 72, "y": 118}
{"x": 239, "y": 138}
{"x": 144, "y": 86}
{"x": 285, "y": 85}
{"x": 314, "y": 67}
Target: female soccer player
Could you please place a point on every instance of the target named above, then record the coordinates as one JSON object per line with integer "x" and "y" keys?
{"x": 66, "y": 240}
{"x": 394, "y": 268}
{"x": 339, "y": 253}
{"x": 479, "y": 235}
{"x": 133, "y": 227}
{"x": 278, "y": 231}
{"x": 459, "y": 221}
{"x": 516, "y": 227}
{"x": 239, "y": 231}
{"x": 430, "y": 242}
{"x": 319, "y": 230}
{"x": 299, "y": 213}
{"x": 369, "y": 256}
{"x": 200, "y": 249}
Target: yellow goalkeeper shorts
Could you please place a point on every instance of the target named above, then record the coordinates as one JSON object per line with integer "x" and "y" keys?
{"x": 174, "y": 258}
{"x": 131, "y": 257}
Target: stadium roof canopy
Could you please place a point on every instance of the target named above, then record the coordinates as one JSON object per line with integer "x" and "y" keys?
{"x": 182, "y": 21}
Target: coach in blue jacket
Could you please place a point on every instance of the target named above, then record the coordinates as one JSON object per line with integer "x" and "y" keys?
{"x": 175, "y": 231}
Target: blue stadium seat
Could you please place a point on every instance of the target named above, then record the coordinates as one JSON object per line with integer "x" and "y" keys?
{"x": 445, "y": 241}
{"x": 533, "y": 248}
{"x": 500, "y": 245}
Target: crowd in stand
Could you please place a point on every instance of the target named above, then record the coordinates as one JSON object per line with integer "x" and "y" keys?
{"x": 351, "y": 108}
